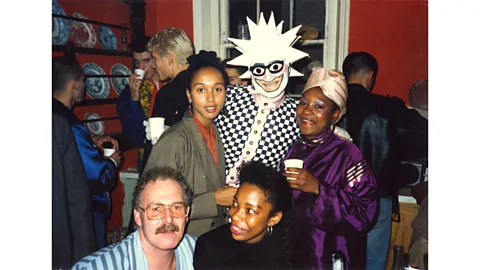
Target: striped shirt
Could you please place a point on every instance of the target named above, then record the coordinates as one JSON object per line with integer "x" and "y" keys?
{"x": 128, "y": 254}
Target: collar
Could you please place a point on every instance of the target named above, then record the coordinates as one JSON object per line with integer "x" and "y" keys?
{"x": 322, "y": 138}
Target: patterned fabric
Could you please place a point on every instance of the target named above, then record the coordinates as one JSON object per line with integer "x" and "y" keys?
{"x": 128, "y": 254}
{"x": 147, "y": 89}
{"x": 252, "y": 131}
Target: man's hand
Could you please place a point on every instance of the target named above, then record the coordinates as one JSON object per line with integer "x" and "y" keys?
{"x": 118, "y": 157}
{"x": 302, "y": 180}
{"x": 99, "y": 140}
{"x": 148, "y": 134}
{"x": 224, "y": 195}
{"x": 134, "y": 85}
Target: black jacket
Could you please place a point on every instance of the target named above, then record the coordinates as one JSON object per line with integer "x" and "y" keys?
{"x": 218, "y": 250}
{"x": 72, "y": 221}
{"x": 171, "y": 102}
{"x": 386, "y": 132}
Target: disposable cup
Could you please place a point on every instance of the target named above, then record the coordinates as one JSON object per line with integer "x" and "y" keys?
{"x": 293, "y": 163}
{"x": 108, "y": 151}
{"x": 141, "y": 73}
{"x": 157, "y": 126}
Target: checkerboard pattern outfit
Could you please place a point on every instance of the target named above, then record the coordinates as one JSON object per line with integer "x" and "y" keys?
{"x": 252, "y": 131}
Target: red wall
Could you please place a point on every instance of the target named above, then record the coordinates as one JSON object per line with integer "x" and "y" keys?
{"x": 162, "y": 14}
{"x": 396, "y": 33}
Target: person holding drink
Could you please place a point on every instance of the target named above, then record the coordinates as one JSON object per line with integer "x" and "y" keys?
{"x": 335, "y": 193}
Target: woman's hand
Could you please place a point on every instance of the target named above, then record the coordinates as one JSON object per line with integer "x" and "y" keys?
{"x": 302, "y": 180}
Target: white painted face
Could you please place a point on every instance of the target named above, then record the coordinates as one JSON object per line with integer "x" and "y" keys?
{"x": 270, "y": 78}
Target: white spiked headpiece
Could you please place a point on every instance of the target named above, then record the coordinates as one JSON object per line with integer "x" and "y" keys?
{"x": 266, "y": 44}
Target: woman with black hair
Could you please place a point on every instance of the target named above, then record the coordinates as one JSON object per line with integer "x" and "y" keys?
{"x": 258, "y": 236}
{"x": 193, "y": 146}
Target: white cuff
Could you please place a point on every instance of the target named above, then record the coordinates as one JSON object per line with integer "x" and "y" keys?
{"x": 114, "y": 162}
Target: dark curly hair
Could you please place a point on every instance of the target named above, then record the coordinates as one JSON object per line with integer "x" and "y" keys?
{"x": 279, "y": 195}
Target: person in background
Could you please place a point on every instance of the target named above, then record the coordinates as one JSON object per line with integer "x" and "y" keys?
{"x": 135, "y": 103}
{"x": 419, "y": 242}
{"x": 386, "y": 132}
{"x": 169, "y": 50}
{"x": 193, "y": 145}
{"x": 72, "y": 221}
{"x": 68, "y": 83}
{"x": 259, "y": 235}
{"x": 234, "y": 72}
{"x": 335, "y": 192}
{"x": 161, "y": 201}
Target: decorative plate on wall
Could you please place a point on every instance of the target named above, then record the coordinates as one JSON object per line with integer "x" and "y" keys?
{"x": 97, "y": 127}
{"x": 60, "y": 27}
{"x": 107, "y": 38}
{"x": 119, "y": 83}
{"x": 97, "y": 87}
{"x": 83, "y": 33}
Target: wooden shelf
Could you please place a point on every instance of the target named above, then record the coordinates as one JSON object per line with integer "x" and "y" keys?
{"x": 93, "y": 102}
{"x": 99, "y": 119}
{"x": 73, "y": 49}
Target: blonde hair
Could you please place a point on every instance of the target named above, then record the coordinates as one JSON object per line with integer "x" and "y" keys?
{"x": 174, "y": 41}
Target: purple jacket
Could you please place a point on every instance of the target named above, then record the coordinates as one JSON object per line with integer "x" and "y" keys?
{"x": 340, "y": 216}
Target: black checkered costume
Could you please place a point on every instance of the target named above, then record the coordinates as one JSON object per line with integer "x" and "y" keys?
{"x": 236, "y": 121}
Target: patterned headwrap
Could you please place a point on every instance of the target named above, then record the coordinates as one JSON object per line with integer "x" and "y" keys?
{"x": 333, "y": 84}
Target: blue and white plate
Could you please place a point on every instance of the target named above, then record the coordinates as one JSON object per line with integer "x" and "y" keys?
{"x": 97, "y": 88}
{"x": 119, "y": 83}
{"x": 96, "y": 127}
{"x": 107, "y": 38}
{"x": 60, "y": 27}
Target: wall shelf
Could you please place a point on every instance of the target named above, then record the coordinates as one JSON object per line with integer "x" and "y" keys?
{"x": 90, "y": 21}
{"x": 94, "y": 102}
{"x": 95, "y": 51}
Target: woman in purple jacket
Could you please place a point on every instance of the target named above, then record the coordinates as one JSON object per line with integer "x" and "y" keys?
{"x": 335, "y": 193}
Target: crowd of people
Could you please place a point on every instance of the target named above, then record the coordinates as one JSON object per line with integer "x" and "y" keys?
{"x": 213, "y": 191}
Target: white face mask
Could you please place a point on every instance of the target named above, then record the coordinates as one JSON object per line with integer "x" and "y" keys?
{"x": 270, "y": 79}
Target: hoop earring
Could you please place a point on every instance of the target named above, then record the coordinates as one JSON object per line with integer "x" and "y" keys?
{"x": 269, "y": 230}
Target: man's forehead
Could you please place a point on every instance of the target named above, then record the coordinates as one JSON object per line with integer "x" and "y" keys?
{"x": 142, "y": 56}
{"x": 164, "y": 191}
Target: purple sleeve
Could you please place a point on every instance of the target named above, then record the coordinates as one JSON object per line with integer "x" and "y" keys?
{"x": 348, "y": 208}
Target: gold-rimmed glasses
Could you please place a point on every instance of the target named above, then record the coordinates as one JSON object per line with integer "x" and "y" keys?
{"x": 156, "y": 211}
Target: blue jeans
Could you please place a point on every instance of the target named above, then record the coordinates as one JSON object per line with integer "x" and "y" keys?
{"x": 100, "y": 228}
{"x": 378, "y": 239}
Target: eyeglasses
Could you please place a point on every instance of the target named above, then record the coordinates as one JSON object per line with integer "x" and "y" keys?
{"x": 157, "y": 210}
{"x": 273, "y": 67}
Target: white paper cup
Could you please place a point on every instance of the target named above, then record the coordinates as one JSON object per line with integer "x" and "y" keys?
{"x": 141, "y": 73}
{"x": 108, "y": 152}
{"x": 157, "y": 126}
{"x": 293, "y": 163}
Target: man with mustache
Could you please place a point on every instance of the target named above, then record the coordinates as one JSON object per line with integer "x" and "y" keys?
{"x": 161, "y": 201}
{"x": 258, "y": 120}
